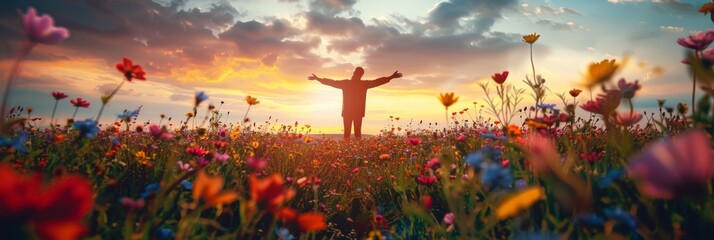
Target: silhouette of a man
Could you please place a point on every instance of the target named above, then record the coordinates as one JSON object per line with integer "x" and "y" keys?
{"x": 354, "y": 97}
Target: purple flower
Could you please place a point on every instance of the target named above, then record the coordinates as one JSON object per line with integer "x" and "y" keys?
{"x": 41, "y": 29}
{"x": 674, "y": 166}
{"x": 220, "y": 157}
{"x": 628, "y": 89}
{"x": 698, "y": 41}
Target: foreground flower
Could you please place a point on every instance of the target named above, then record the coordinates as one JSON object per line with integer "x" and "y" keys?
{"x": 270, "y": 190}
{"x": 200, "y": 97}
{"x": 54, "y": 212}
{"x": 605, "y": 104}
{"x": 628, "y": 89}
{"x": 698, "y": 41}
{"x": 680, "y": 165}
{"x": 628, "y": 119}
{"x": 79, "y": 102}
{"x": 256, "y": 164}
{"x": 518, "y": 202}
{"x": 600, "y": 72}
{"x": 500, "y": 77}
{"x": 130, "y": 70}
{"x": 449, "y": 220}
{"x": 251, "y": 100}
{"x": 311, "y": 222}
{"x": 209, "y": 189}
{"x": 41, "y": 29}
{"x": 448, "y": 99}
{"x": 87, "y": 128}
{"x": 530, "y": 38}
{"x": 575, "y": 92}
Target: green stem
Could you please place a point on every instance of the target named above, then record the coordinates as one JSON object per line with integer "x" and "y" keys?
{"x": 75, "y": 112}
{"x": 52, "y": 120}
{"x": 106, "y": 99}
{"x": 21, "y": 54}
{"x": 694, "y": 85}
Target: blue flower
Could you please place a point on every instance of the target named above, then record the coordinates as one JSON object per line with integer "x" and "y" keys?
{"x": 492, "y": 136}
{"x": 129, "y": 114}
{"x": 622, "y": 217}
{"x": 149, "y": 189}
{"x": 609, "y": 178}
{"x": 474, "y": 160}
{"x": 164, "y": 233}
{"x": 187, "y": 185}
{"x": 18, "y": 142}
{"x": 547, "y": 106}
{"x": 284, "y": 233}
{"x": 87, "y": 128}
{"x": 200, "y": 97}
{"x": 590, "y": 220}
{"x": 496, "y": 177}
{"x": 521, "y": 184}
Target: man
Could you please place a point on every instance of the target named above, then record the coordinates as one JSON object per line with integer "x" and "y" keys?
{"x": 354, "y": 97}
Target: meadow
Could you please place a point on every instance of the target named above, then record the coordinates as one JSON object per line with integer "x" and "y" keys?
{"x": 498, "y": 170}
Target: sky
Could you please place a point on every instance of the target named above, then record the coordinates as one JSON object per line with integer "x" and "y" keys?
{"x": 267, "y": 48}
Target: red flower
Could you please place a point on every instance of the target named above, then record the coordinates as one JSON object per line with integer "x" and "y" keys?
{"x": 196, "y": 151}
{"x": 427, "y": 202}
{"x": 414, "y": 141}
{"x": 79, "y": 102}
{"x": 130, "y": 70}
{"x": 500, "y": 77}
{"x": 311, "y": 222}
{"x": 425, "y": 180}
{"x": 59, "y": 95}
{"x": 575, "y": 92}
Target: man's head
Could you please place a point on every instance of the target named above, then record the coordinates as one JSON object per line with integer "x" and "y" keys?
{"x": 357, "y": 75}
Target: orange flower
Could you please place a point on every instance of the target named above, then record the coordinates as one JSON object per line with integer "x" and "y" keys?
{"x": 706, "y": 8}
{"x": 384, "y": 156}
{"x": 514, "y": 130}
{"x": 130, "y": 70}
{"x": 311, "y": 222}
{"x": 601, "y": 72}
{"x": 270, "y": 190}
{"x": 285, "y": 214}
{"x": 531, "y": 38}
{"x": 448, "y": 99}
{"x": 209, "y": 189}
{"x": 575, "y": 92}
{"x": 251, "y": 100}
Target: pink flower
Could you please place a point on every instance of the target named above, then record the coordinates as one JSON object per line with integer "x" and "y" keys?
{"x": 41, "y": 29}
{"x": 59, "y": 95}
{"x": 425, "y": 180}
{"x": 604, "y": 104}
{"x": 220, "y": 157}
{"x": 706, "y": 55}
{"x": 500, "y": 77}
{"x": 159, "y": 132}
{"x": 414, "y": 141}
{"x": 680, "y": 165}
{"x": 256, "y": 164}
{"x": 184, "y": 166}
{"x": 434, "y": 163}
{"x": 196, "y": 151}
{"x": 461, "y": 138}
{"x": 628, "y": 119}
{"x": 698, "y": 41}
{"x": 79, "y": 102}
{"x": 542, "y": 156}
{"x": 628, "y": 89}
{"x": 449, "y": 220}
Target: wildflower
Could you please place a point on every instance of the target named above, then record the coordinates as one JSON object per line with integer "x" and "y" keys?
{"x": 461, "y": 138}
{"x": 492, "y": 136}
{"x": 41, "y": 29}
{"x": 542, "y": 156}
{"x": 698, "y": 41}
{"x": 496, "y": 177}
{"x": 184, "y": 166}
{"x": 682, "y": 108}
{"x": 546, "y": 106}
{"x": 186, "y": 184}
{"x": 17, "y": 143}
{"x": 514, "y": 131}
{"x": 530, "y": 38}
{"x": 449, "y": 220}
{"x": 79, "y": 102}
{"x": 270, "y": 190}
{"x": 164, "y": 233}
{"x": 59, "y": 95}
{"x": 433, "y": 164}
{"x": 414, "y": 141}
{"x": 208, "y": 188}
{"x": 220, "y": 157}
{"x": 518, "y": 202}
{"x": 660, "y": 102}
{"x": 284, "y": 234}
{"x": 621, "y": 216}
{"x": 130, "y": 70}
{"x": 628, "y": 119}
{"x": 87, "y": 128}
{"x": 427, "y": 202}
{"x": 255, "y": 144}
{"x": 159, "y": 133}
{"x": 611, "y": 176}
{"x": 384, "y": 156}
{"x": 150, "y": 190}
{"x": 425, "y": 180}
{"x": 141, "y": 157}
{"x": 706, "y": 8}
{"x": 200, "y": 97}
{"x": 605, "y": 104}
{"x": 628, "y": 89}
{"x": 256, "y": 164}
{"x": 128, "y": 115}
{"x": 132, "y": 203}
{"x": 251, "y": 100}
{"x": 311, "y": 222}
{"x": 500, "y": 77}
{"x": 674, "y": 166}
{"x": 600, "y": 72}
{"x": 575, "y": 92}
{"x": 197, "y": 151}
{"x": 448, "y": 99}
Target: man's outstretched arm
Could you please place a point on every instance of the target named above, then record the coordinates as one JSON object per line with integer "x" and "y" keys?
{"x": 383, "y": 80}
{"x": 326, "y": 81}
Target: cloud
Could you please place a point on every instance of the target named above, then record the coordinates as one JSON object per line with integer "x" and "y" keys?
{"x": 332, "y": 7}
{"x": 559, "y": 26}
{"x": 665, "y": 6}
{"x": 477, "y": 15}
{"x": 331, "y": 25}
{"x": 672, "y": 29}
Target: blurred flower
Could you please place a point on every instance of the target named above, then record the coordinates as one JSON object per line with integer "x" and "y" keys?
{"x": 311, "y": 222}
{"x": 164, "y": 233}
{"x": 628, "y": 89}
{"x": 542, "y": 155}
{"x": 660, "y": 102}
{"x": 425, "y": 180}
{"x": 611, "y": 176}
{"x": 575, "y": 92}
{"x": 433, "y": 164}
{"x": 622, "y": 216}
{"x": 515, "y": 203}
{"x": 682, "y": 108}
{"x": 496, "y": 177}
{"x": 209, "y": 189}
{"x": 674, "y": 166}
{"x": 550, "y": 106}
{"x": 600, "y": 72}
{"x": 628, "y": 119}
{"x": 461, "y": 138}
{"x": 492, "y": 136}
{"x": 18, "y": 142}
{"x": 87, "y": 128}
{"x": 270, "y": 190}
{"x": 59, "y": 95}
{"x": 41, "y": 29}
{"x": 521, "y": 184}
{"x": 384, "y": 156}
{"x": 184, "y": 166}
{"x": 197, "y": 151}
{"x": 699, "y": 41}
{"x": 284, "y": 234}
{"x": 530, "y": 38}
{"x": 200, "y": 97}
{"x": 150, "y": 189}
{"x": 132, "y": 203}
{"x": 514, "y": 130}
{"x": 79, "y": 102}
{"x": 159, "y": 132}
{"x": 500, "y": 77}
{"x": 128, "y": 115}
{"x": 256, "y": 164}
{"x": 427, "y": 202}
{"x": 251, "y": 100}
{"x": 449, "y": 220}
{"x": 414, "y": 141}
{"x": 220, "y": 157}
{"x": 130, "y": 70}
{"x": 55, "y": 211}
{"x": 706, "y": 8}
{"x": 448, "y": 99}
{"x": 605, "y": 104}
{"x": 186, "y": 184}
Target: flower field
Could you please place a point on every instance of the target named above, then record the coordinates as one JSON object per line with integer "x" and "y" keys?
{"x": 504, "y": 170}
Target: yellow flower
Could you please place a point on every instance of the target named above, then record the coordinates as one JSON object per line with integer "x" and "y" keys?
{"x": 235, "y": 133}
{"x": 308, "y": 140}
{"x": 142, "y": 158}
{"x": 706, "y": 8}
{"x": 448, "y": 99}
{"x": 209, "y": 189}
{"x": 601, "y": 72}
{"x": 255, "y": 144}
{"x": 251, "y": 100}
{"x": 536, "y": 125}
{"x": 518, "y": 202}
{"x": 531, "y": 38}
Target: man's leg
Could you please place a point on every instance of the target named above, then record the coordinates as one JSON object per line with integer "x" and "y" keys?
{"x": 347, "y": 123}
{"x": 358, "y": 127}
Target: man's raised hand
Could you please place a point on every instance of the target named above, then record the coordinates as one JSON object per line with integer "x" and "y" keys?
{"x": 313, "y": 77}
{"x": 396, "y": 74}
